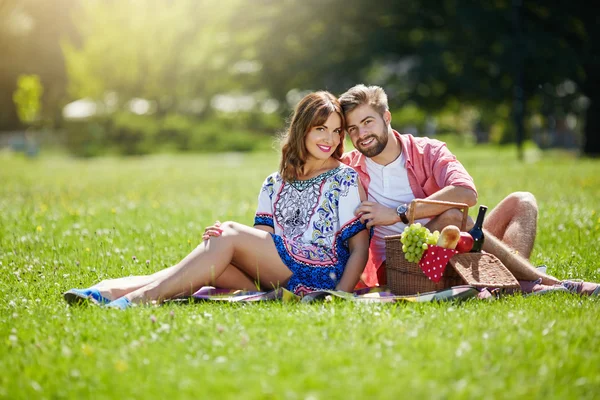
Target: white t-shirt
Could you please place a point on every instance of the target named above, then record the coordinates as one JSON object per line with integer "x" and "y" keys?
{"x": 390, "y": 187}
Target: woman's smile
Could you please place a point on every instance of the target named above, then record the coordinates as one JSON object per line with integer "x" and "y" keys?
{"x": 324, "y": 149}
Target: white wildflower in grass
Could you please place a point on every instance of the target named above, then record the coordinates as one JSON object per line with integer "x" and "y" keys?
{"x": 463, "y": 347}
{"x": 36, "y": 386}
{"x": 66, "y": 351}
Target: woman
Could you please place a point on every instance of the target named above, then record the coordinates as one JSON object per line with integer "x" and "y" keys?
{"x": 305, "y": 235}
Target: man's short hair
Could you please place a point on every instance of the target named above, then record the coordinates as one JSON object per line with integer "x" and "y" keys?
{"x": 359, "y": 95}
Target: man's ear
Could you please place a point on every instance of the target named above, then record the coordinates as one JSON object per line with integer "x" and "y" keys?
{"x": 387, "y": 117}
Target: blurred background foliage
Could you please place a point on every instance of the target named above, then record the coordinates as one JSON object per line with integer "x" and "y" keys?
{"x": 142, "y": 76}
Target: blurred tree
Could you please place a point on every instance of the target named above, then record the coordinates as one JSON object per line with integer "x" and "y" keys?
{"x": 27, "y": 98}
{"x": 30, "y": 34}
{"x": 178, "y": 54}
{"x": 578, "y": 25}
{"x": 313, "y": 44}
{"x": 171, "y": 53}
{"x": 432, "y": 52}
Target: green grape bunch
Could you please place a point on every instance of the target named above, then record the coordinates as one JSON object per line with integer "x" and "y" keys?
{"x": 415, "y": 240}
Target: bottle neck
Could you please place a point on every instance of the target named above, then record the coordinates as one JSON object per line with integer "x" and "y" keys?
{"x": 480, "y": 217}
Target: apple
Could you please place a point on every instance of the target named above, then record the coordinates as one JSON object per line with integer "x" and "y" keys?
{"x": 465, "y": 243}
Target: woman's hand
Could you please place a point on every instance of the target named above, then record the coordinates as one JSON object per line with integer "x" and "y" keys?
{"x": 214, "y": 231}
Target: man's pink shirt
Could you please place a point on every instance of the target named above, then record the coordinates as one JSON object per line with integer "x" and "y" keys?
{"x": 430, "y": 167}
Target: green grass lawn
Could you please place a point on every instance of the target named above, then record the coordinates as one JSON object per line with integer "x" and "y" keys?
{"x": 68, "y": 223}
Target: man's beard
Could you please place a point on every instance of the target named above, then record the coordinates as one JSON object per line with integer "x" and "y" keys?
{"x": 374, "y": 149}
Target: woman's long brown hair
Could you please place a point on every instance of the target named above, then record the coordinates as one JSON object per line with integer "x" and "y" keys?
{"x": 312, "y": 110}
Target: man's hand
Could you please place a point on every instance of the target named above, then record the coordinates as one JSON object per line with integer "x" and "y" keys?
{"x": 374, "y": 214}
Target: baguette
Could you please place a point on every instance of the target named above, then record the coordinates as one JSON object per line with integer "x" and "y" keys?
{"x": 449, "y": 237}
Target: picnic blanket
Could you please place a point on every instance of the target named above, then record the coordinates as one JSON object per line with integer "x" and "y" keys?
{"x": 372, "y": 295}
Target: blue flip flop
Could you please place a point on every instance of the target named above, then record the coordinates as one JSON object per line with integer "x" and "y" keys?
{"x": 79, "y": 296}
{"x": 121, "y": 303}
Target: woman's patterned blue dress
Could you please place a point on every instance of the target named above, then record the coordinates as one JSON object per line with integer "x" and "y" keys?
{"x": 313, "y": 221}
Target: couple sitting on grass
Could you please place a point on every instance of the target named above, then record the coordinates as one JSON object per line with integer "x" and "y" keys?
{"x": 311, "y": 228}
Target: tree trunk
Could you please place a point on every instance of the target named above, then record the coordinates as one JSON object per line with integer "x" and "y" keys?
{"x": 518, "y": 74}
{"x": 591, "y": 87}
{"x": 591, "y": 146}
{"x": 9, "y": 119}
{"x": 591, "y": 139}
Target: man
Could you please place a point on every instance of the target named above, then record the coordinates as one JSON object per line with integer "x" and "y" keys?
{"x": 396, "y": 169}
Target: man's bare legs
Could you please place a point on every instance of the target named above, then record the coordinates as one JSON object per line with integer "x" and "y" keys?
{"x": 514, "y": 222}
{"x": 510, "y": 230}
{"x": 249, "y": 250}
{"x": 518, "y": 210}
{"x": 520, "y": 267}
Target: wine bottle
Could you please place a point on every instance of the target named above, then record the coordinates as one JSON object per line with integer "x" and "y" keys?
{"x": 477, "y": 231}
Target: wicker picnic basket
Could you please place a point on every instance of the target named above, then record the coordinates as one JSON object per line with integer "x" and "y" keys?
{"x": 476, "y": 269}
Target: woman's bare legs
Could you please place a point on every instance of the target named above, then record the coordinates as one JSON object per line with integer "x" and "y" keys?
{"x": 249, "y": 250}
{"x": 231, "y": 278}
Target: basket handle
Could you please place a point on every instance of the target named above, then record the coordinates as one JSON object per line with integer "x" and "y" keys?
{"x": 463, "y": 206}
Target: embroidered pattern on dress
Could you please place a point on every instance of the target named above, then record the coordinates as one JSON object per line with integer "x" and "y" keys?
{"x": 310, "y": 277}
{"x": 301, "y": 185}
{"x": 300, "y": 201}
{"x": 263, "y": 219}
{"x": 295, "y": 207}
{"x": 324, "y": 227}
{"x": 315, "y": 247}
{"x": 269, "y": 185}
{"x": 309, "y": 252}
